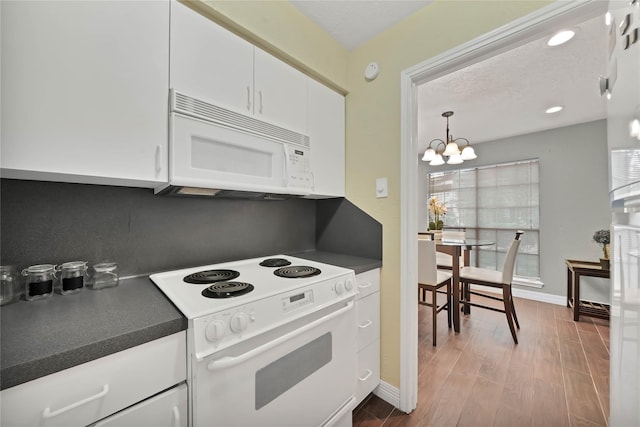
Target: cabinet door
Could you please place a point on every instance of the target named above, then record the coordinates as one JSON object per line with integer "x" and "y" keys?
{"x": 280, "y": 93}
{"x": 210, "y": 63}
{"x": 94, "y": 390}
{"x": 326, "y": 132}
{"x": 168, "y": 409}
{"x": 85, "y": 89}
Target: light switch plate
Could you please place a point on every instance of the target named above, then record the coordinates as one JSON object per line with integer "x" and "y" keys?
{"x": 381, "y": 188}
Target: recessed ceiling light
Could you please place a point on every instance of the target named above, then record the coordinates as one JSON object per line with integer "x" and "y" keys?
{"x": 561, "y": 37}
{"x": 607, "y": 19}
{"x": 552, "y": 110}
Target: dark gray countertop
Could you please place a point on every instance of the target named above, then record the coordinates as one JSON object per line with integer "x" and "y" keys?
{"x": 47, "y": 336}
{"x": 358, "y": 264}
{"x": 43, "y": 337}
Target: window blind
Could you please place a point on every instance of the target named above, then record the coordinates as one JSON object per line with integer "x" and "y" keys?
{"x": 491, "y": 203}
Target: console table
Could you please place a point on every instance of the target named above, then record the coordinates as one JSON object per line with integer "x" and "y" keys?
{"x": 576, "y": 269}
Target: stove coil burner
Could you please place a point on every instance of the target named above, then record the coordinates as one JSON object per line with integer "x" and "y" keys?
{"x": 211, "y": 276}
{"x": 227, "y": 289}
{"x": 275, "y": 262}
{"x": 297, "y": 271}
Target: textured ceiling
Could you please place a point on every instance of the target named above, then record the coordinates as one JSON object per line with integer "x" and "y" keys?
{"x": 508, "y": 94}
{"x": 503, "y": 96}
{"x": 352, "y": 23}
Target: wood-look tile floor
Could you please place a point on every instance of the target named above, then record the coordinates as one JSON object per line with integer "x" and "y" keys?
{"x": 558, "y": 374}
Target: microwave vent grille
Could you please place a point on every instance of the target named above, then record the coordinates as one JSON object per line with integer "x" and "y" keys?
{"x": 203, "y": 110}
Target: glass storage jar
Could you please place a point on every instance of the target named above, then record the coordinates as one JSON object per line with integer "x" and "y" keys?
{"x": 39, "y": 281}
{"x": 73, "y": 277}
{"x": 105, "y": 275}
{"x": 9, "y": 284}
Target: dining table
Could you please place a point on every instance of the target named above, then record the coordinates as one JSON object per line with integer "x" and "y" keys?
{"x": 454, "y": 248}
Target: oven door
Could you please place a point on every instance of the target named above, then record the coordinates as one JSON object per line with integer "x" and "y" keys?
{"x": 302, "y": 374}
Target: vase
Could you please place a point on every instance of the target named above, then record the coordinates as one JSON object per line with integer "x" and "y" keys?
{"x": 604, "y": 263}
{"x": 437, "y": 235}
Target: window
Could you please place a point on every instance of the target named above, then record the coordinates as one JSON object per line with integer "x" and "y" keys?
{"x": 491, "y": 203}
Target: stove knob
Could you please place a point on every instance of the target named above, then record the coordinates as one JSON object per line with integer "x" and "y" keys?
{"x": 215, "y": 330}
{"x": 340, "y": 288}
{"x": 239, "y": 322}
{"x": 349, "y": 285}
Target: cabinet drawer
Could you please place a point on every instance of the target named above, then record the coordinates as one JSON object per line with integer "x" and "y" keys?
{"x": 91, "y": 391}
{"x": 368, "y": 282}
{"x": 368, "y": 370}
{"x": 368, "y": 314}
{"x": 168, "y": 409}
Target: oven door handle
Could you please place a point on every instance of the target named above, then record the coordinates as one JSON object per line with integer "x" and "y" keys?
{"x": 227, "y": 362}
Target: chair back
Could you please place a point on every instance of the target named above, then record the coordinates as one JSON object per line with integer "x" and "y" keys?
{"x": 508, "y": 268}
{"x": 427, "y": 268}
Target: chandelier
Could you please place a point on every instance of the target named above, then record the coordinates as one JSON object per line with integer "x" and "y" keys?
{"x": 451, "y": 149}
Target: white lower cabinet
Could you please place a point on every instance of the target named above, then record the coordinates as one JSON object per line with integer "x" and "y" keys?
{"x": 368, "y": 323}
{"x": 168, "y": 409}
{"x": 92, "y": 391}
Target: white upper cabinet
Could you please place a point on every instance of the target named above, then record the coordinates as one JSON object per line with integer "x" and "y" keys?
{"x": 214, "y": 65}
{"x": 210, "y": 63}
{"x": 85, "y": 91}
{"x": 280, "y": 93}
{"x": 326, "y": 131}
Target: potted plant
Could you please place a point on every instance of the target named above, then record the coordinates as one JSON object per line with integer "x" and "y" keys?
{"x": 603, "y": 238}
{"x": 437, "y": 210}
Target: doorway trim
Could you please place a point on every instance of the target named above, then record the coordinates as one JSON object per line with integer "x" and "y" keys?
{"x": 521, "y": 31}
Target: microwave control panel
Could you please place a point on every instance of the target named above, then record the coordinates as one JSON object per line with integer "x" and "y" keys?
{"x": 299, "y": 168}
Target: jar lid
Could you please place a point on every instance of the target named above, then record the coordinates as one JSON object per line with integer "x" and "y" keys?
{"x": 73, "y": 265}
{"x": 105, "y": 267}
{"x": 40, "y": 268}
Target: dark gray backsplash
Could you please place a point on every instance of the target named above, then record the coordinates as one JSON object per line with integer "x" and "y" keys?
{"x": 50, "y": 222}
{"x": 344, "y": 228}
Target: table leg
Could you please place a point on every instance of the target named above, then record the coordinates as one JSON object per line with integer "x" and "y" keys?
{"x": 569, "y": 286}
{"x": 576, "y": 296}
{"x": 455, "y": 279}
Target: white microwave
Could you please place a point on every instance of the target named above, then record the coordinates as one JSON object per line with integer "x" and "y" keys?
{"x": 217, "y": 152}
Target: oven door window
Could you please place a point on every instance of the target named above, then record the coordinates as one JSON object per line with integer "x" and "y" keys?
{"x": 284, "y": 373}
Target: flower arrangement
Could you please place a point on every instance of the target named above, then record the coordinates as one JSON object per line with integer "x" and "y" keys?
{"x": 603, "y": 238}
{"x": 438, "y": 210}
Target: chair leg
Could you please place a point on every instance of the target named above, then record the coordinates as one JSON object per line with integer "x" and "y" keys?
{"x": 449, "y": 304}
{"x": 508, "y": 312}
{"x": 466, "y": 290}
{"x": 513, "y": 309}
{"x": 434, "y": 313}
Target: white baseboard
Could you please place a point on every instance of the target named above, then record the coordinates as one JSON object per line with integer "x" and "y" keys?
{"x": 526, "y": 294}
{"x": 388, "y": 393}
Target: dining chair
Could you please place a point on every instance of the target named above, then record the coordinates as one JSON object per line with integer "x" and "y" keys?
{"x": 443, "y": 255}
{"x": 495, "y": 279}
{"x": 432, "y": 279}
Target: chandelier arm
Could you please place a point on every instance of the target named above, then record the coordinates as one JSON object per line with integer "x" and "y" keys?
{"x": 462, "y": 139}
{"x": 434, "y": 140}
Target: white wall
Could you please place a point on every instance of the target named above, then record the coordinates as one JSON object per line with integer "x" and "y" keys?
{"x": 574, "y": 200}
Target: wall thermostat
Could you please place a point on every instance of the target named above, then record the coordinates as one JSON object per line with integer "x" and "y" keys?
{"x": 372, "y": 71}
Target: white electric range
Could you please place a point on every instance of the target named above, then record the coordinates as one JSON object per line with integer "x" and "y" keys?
{"x": 271, "y": 341}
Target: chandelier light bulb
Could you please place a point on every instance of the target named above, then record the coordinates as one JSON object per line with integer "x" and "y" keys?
{"x": 451, "y": 149}
{"x": 455, "y": 159}
{"x": 468, "y": 153}
{"x": 429, "y": 154}
{"x": 437, "y": 161}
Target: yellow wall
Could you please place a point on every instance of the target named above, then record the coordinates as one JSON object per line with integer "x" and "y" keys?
{"x": 373, "y": 108}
